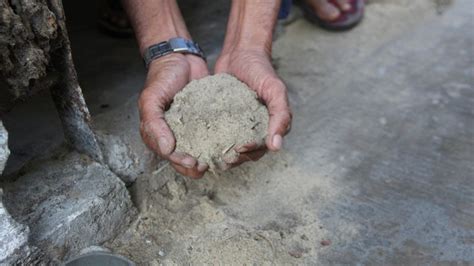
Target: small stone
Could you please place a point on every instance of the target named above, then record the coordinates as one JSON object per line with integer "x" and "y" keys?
{"x": 295, "y": 254}
{"x": 325, "y": 242}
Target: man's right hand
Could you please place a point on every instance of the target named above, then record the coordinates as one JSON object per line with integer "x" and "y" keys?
{"x": 166, "y": 77}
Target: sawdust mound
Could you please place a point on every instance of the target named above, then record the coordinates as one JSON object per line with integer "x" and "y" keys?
{"x": 211, "y": 116}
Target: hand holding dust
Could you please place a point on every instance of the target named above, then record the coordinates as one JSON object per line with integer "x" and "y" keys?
{"x": 214, "y": 117}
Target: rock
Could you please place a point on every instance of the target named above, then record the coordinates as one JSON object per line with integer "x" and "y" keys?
{"x": 4, "y": 151}
{"x": 14, "y": 248}
{"x": 123, "y": 149}
{"x": 69, "y": 203}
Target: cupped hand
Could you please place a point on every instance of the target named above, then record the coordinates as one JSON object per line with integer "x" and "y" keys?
{"x": 166, "y": 77}
{"x": 254, "y": 68}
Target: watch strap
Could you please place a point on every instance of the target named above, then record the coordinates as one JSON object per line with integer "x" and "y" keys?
{"x": 173, "y": 45}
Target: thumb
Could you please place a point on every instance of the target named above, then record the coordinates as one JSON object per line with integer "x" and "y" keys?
{"x": 276, "y": 100}
{"x": 153, "y": 127}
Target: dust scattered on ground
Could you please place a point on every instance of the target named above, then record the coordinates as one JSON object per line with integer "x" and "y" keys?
{"x": 307, "y": 204}
{"x": 182, "y": 221}
{"x": 212, "y": 116}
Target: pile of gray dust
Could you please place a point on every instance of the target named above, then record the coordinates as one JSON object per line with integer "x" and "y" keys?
{"x": 211, "y": 116}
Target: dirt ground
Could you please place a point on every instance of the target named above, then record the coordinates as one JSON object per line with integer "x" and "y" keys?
{"x": 377, "y": 169}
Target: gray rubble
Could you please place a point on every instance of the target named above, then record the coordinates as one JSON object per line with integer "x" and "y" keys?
{"x": 14, "y": 248}
{"x": 69, "y": 203}
{"x": 123, "y": 149}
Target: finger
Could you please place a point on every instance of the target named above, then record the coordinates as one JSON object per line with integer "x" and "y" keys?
{"x": 199, "y": 67}
{"x": 153, "y": 127}
{"x": 183, "y": 159}
{"x": 254, "y": 145}
{"x": 253, "y": 155}
{"x": 193, "y": 172}
{"x": 202, "y": 167}
{"x": 158, "y": 136}
{"x": 344, "y": 5}
{"x": 276, "y": 99}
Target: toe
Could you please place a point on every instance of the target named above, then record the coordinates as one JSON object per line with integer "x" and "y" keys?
{"x": 325, "y": 10}
{"x": 344, "y": 5}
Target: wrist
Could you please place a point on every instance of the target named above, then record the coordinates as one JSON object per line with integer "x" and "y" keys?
{"x": 157, "y": 65}
{"x": 174, "y": 59}
{"x": 251, "y": 25}
{"x": 155, "y": 23}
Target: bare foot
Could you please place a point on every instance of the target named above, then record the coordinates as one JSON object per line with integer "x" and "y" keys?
{"x": 329, "y": 10}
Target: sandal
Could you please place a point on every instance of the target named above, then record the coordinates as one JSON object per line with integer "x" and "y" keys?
{"x": 347, "y": 20}
{"x": 114, "y": 21}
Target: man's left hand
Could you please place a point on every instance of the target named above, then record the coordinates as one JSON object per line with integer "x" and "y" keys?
{"x": 255, "y": 69}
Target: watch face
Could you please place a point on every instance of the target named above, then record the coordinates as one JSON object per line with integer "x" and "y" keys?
{"x": 182, "y": 45}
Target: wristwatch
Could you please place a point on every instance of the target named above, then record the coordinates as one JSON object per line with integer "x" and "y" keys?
{"x": 173, "y": 45}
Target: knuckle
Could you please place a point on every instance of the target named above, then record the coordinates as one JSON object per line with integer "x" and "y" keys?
{"x": 144, "y": 95}
{"x": 274, "y": 84}
{"x": 145, "y": 128}
{"x": 273, "y": 90}
{"x": 146, "y": 99}
{"x": 286, "y": 117}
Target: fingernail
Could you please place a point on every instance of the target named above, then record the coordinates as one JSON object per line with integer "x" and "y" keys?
{"x": 242, "y": 150}
{"x": 188, "y": 162}
{"x": 202, "y": 166}
{"x": 277, "y": 141}
{"x": 164, "y": 145}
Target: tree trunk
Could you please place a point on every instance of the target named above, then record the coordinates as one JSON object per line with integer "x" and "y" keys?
{"x": 35, "y": 54}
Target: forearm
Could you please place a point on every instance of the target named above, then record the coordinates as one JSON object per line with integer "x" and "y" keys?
{"x": 251, "y": 25}
{"x": 155, "y": 21}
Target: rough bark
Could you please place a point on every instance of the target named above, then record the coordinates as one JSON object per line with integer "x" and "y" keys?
{"x": 35, "y": 54}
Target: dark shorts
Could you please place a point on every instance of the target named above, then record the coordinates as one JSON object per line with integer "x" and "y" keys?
{"x": 284, "y": 9}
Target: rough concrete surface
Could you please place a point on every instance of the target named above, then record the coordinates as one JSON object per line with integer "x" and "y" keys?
{"x": 124, "y": 151}
{"x": 377, "y": 169}
{"x": 68, "y": 203}
{"x": 14, "y": 246}
{"x": 214, "y": 115}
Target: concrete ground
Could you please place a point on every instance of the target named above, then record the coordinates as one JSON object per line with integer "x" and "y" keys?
{"x": 378, "y": 168}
